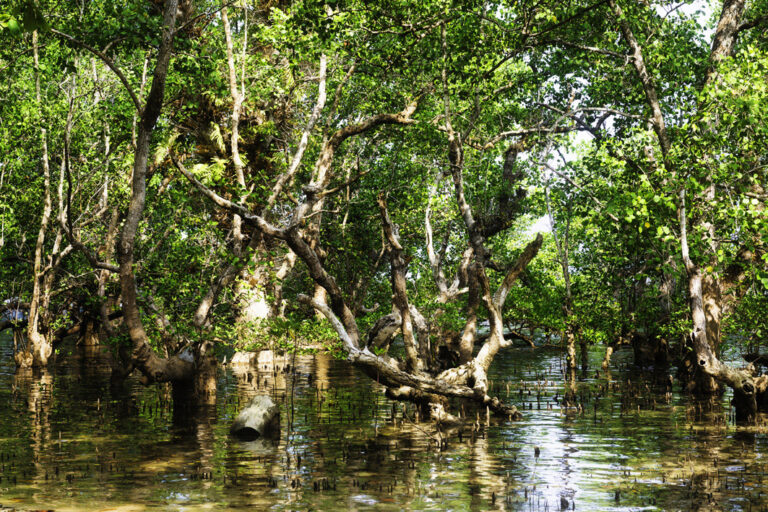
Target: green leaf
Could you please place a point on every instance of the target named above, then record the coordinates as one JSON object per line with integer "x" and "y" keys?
{"x": 13, "y": 25}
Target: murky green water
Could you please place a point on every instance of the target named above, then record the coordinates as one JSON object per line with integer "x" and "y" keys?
{"x": 68, "y": 442}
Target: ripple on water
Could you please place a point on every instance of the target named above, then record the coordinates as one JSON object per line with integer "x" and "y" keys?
{"x": 343, "y": 445}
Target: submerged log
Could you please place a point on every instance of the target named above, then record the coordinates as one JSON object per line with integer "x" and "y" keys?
{"x": 261, "y": 418}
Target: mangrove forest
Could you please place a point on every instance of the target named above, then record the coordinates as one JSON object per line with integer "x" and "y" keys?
{"x": 383, "y": 255}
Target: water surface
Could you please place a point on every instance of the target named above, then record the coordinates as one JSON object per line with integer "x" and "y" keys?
{"x": 69, "y": 442}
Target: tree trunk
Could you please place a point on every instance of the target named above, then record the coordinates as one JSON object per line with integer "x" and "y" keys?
{"x": 286, "y": 266}
{"x": 320, "y": 295}
{"x": 398, "y": 265}
{"x": 703, "y": 291}
{"x": 467, "y": 339}
{"x": 39, "y": 348}
{"x": 154, "y": 368}
{"x": 89, "y": 335}
{"x": 607, "y": 359}
{"x": 584, "y": 353}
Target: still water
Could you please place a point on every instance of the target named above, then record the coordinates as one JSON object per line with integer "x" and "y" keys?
{"x": 69, "y": 442}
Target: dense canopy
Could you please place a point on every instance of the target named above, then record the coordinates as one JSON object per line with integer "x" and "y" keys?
{"x": 417, "y": 185}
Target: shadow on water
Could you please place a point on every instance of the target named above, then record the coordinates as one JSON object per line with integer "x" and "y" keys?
{"x": 70, "y": 442}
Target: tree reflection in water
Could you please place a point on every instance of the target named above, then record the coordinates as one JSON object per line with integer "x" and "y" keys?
{"x": 344, "y": 446}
